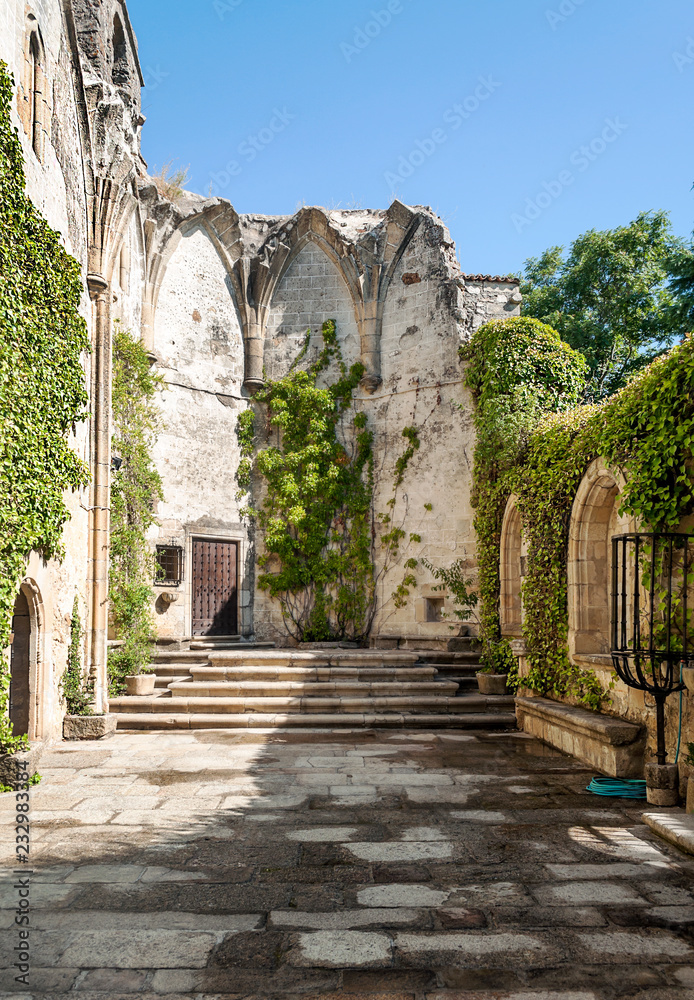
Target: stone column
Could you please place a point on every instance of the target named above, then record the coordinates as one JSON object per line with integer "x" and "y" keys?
{"x": 254, "y": 350}
{"x": 371, "y": 347}
{"x": 100, "y": 441}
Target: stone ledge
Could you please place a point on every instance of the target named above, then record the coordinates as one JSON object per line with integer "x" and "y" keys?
{"x": 674, "y": 826}
{"x": 613, "y": 746}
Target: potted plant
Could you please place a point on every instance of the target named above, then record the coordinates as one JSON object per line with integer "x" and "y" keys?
{"x": 497, "y": 657}
{"x": 81, "y": 721}
{"x": 141, "y": 684}
{"x": 497, "y": 663}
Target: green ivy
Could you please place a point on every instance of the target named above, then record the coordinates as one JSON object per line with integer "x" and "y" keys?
{"x": 646, "y": 430}
{"x": 42, "y": 386}
{"x": 316, "y": 511}
{"x": 135, "y": 489}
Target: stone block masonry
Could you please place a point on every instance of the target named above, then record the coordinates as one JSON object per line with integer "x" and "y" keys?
{"x": 234, "y": 301}
{"x": 336, "y": 864}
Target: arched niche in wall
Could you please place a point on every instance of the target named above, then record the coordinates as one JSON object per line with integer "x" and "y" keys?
{"x": 310, "y": 291}
{"x": 512, "y": 569}
{"x": 595, "y": 519}
{"x": 32, "y": 94}
{"x": 28, "y": 692}
{"x": 120, "y": 71}
{"x": 197, "y": 330}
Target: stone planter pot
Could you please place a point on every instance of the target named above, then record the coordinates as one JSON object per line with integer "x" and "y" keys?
{"x": 88, "y": 727}
{"x": 17, "y": 768}
{"x": 140, "y": 684}
{"x": 492, "y": 683}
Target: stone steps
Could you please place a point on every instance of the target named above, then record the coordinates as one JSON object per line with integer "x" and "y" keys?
{"x": 280, "y": 673}
{"x": 260, "y": 720}
{"x": 279, "y": 689}
{"x": 311, "y": 703}
{"x": 229, "y": 687}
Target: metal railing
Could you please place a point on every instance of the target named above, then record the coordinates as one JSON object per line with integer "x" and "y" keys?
{"x": 652, "y": 604}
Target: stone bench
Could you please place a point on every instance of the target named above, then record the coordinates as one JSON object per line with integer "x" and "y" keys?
{"x": 612, "y": 746}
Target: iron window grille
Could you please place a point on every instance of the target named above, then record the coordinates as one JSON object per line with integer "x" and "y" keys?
{"x": 169, "y": 566}
{"x": 652, "y": 605}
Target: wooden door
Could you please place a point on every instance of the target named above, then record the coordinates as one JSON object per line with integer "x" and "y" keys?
{"x": 214, "y": 587}
{"x": 19, "y": 667}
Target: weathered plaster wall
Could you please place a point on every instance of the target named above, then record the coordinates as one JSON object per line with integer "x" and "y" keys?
{"x": 199, "y": 352}
{"x": 427, "y": 309}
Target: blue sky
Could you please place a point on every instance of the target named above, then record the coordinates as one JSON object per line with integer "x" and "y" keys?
{"x": 570, "y": 115}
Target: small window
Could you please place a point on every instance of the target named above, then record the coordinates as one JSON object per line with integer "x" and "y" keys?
{"x": 434, "y": 609}
{"x": 36, "y": 86}
{"x": 169, "y": 565}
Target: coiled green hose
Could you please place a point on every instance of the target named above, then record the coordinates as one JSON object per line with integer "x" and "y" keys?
{"x": 618, "y": 788}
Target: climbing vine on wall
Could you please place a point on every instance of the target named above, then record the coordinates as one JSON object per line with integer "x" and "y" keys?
{"x": 42, "y": 385}
{"x": 316, "y": 510}
{"x": 76, "y": 689}
{"x": 645, "y": 430}
{"x": 135, "y": 489}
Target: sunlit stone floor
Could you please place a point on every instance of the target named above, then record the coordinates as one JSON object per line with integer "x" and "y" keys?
{"x": 363, "y": 864}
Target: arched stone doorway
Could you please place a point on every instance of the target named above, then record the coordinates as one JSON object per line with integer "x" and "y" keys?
{"x": 595, "y": 519}
{"x": 512, "y": 570}
{"x": 20, "y": 666}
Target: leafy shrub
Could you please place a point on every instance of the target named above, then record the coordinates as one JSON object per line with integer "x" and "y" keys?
{"x": 77, "y": 690}
{"x": 135, "y": 490}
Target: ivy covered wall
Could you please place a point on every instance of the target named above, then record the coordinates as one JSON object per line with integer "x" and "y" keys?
{"x": 535, "y": 444}
{"x": 43, "y": 338}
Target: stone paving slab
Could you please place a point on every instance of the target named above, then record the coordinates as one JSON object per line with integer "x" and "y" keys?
{"x": 317, "y": 865}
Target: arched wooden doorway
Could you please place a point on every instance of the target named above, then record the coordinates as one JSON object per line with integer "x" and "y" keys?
{"x": 20, "y": 666}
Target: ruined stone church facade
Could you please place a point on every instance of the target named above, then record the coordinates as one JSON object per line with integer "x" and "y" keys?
{"x": 222, "y": 302}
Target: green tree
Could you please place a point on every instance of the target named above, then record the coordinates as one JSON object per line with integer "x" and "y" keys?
{"x": 682, "y": 285}
{"x": 610, "y": 297}
{"x": 135, "y": 489}
{"x": 316, "y": 514}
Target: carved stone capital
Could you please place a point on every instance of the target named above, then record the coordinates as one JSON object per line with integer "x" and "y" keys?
{"x": 370, "y": 383}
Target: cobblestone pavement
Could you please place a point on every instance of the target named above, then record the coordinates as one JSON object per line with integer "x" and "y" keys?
{"x": 364, "y": 864}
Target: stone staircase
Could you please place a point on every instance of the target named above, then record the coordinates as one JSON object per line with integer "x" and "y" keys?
{"x": 230, "y": 687}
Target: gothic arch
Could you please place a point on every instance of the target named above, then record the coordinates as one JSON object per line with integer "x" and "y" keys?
{"x": 280, "y": 249}
{"x": 513, "y": 552}
{"x": 33, "y": 107}
{"x": 366, "y": 266}
{"x": 594, "y": 520}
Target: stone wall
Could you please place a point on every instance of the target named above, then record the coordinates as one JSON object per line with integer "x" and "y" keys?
{"x": 55, "y": 183}
{"x": 74, "y": 166}
{"x": 595, "y": 520}
{"x": 308, "y": 269}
